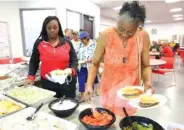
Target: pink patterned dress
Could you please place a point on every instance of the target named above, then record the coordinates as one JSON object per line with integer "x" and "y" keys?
{"x": 117, "y": 73}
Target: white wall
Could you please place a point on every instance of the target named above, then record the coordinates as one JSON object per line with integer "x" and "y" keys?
{"x": 165, "y": 30}
{"x": 106, "y": 22}
{"x": 10, "y": 11}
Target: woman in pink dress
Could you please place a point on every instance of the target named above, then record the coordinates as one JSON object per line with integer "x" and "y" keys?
{"x": 125, "y": 49}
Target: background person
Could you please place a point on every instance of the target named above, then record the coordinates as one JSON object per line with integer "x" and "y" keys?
{"x": 86, "y": 52}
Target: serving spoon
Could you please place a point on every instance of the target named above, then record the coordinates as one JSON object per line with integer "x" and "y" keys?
{"x": 130, "y": 121}
{"x": 33, "y": 116}
{"x": 62, "y": 99}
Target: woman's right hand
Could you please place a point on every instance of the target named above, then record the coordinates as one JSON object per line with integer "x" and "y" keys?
{"x": 88, "y": 94}
{"x": 28, "y": 82}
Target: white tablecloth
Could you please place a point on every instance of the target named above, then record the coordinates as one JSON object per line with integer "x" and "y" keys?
{"x": 155, "y": 62}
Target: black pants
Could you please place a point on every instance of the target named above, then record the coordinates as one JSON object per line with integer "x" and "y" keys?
{"x": 61, "y": 90}
{"x": 157, "y": 57}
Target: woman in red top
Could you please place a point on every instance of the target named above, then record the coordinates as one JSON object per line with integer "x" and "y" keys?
{"x": 167, "y": 50}
{"x": 55, "y": 52}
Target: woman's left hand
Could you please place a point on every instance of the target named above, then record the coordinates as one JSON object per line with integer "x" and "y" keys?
{"x": 148, "y": 86}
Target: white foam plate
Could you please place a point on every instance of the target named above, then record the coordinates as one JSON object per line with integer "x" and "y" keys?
{"x": 43, "y": 121}
{"x": 120, "y": 95}
{"x": 161, "y": 98}
{"x": 173, "y": 126}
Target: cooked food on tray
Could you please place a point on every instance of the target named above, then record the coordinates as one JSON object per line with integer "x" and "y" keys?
{"x": 65, "y": 105}
{"x": 61, "y": 72}
{"x": 7, "y": 106}
{"x": 139, "y": 127}
{"x": 3, "y": 77}
{"x": 42, "y": 121}
{"x": 148, "y": 101}
{"x": 131, "y": 92}
{"x": 29, "y": 95}
{"x": 98, "y": 119}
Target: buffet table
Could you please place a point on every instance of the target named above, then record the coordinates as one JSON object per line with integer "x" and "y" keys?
{"x": 165, "y": 115}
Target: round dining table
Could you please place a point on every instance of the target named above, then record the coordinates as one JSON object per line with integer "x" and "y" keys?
{"x": 156, "y": 62}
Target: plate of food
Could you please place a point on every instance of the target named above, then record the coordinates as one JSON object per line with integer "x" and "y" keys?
{"x": 149, "y": 101}
{"x": 60, "y": 76}
{"x": 130, "y": 92}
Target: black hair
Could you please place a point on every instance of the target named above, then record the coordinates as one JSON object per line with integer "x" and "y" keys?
{"x": 81, "y": 30}
{"x": 135, "y": 10}
{"x": 43, "y": 35}
{"x": 86, "y": 38}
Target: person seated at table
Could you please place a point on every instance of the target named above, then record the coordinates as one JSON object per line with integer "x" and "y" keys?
{"x": 155, "y": 47}
{"x": 172, "y": 44}
{"x": 176, "y": 47}
{"x": 167, "y": 50}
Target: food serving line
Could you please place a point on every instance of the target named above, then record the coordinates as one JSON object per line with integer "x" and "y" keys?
{"x": 163, "y": 115}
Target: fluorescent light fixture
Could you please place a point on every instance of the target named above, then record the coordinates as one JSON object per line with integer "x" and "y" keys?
{"x": 117, "y": 8}
{"x": 176, "y": 10}
{"x": 178, "y": 19}
{"x": 148, "y": 21}
{"x": 171, "y": 1}
{"x": 177, "y": 15}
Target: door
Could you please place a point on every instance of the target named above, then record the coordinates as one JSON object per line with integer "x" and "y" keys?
{"x": 88, "y": 25}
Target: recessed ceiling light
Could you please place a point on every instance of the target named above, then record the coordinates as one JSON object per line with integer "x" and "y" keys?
{"x": 177, "y": 15}
{"x": 176, "y": 10}
{"x": 171, "y": 1}
{"x": 178, "y": 18}
{"x": 148, "y": 21}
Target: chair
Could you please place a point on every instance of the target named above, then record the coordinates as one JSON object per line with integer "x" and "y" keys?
{"x": 166, "y": 68}
{"x": 7, "y": 60}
